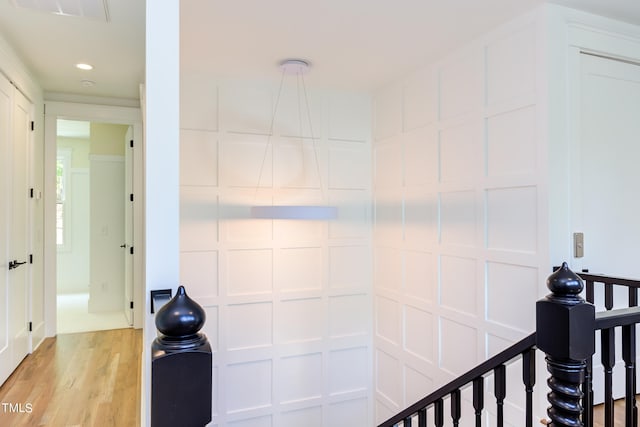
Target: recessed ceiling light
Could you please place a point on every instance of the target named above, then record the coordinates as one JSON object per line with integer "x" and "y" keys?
{"x": 84, "y": 66}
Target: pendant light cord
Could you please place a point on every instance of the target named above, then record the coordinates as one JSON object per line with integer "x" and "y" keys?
{"x": 300, "y": 77}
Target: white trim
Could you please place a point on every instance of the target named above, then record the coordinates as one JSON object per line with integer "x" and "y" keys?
{"x": 93, "y": 112}
{"x": 65, "y": 154}
{"x": 105, "y": 114}
{"x": 162, "y": 135}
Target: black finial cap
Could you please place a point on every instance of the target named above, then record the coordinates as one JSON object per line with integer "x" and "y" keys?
{"x": 181, "y": 317}
{"x": 564, "y": 282}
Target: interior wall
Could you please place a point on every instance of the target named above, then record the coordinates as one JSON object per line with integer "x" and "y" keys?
{"x": 108, "y": 139}
{"x": 106, "y": 233}
{"x": 287, "y": 302}
{"x": 460, "y": 234}
{"x": 73, "y": 260}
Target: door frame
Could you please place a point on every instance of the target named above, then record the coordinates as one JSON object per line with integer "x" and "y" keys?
{"x": 131, "y": 116}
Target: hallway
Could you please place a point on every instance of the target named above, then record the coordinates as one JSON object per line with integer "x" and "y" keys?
{"x": 83, "y": 379}
{"x": 73, "y": 316}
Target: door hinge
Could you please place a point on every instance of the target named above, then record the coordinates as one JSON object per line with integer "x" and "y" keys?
{"x": 131, "y": 305}
{"x": 131, "y": 250}
{"x": 30, "y": 326}
{"x": 30, "y": 258}
{"x": 131, "y": 143}
{"x": 33, "y": 125}
{"x": 31, "y": 192}
{"x": 131, "y": 197}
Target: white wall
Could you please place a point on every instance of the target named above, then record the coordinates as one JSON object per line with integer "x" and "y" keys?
{"x": 73, "y": 261}
{"x": 106, "y": 233}
{"x": 569, "y": 32}
{"x": 460, "y": 235}
{"x": 288, "y": 302}
{"x": 489, "y": 100}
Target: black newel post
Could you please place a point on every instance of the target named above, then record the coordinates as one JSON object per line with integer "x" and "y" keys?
{"x": 565, "y": 332}
{"x": 180, "y": 366}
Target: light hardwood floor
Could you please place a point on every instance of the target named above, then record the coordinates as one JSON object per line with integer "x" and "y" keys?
{"x": 84, "y": 379}
{"x": 618, "y": 413}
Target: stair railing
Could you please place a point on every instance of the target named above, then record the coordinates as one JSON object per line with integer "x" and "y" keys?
{"x": 524, "y": 348}
{"x": 565, "y": 331}
{"x": 607, "y": 345}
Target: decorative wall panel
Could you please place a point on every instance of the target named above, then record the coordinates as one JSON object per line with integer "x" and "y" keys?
{"x": 250, "y": 325}
{"x": 457, "y": 225}
{"x": 349, "y": 315}
{"x": 300, "y": 377}
{"x": 418, "y": 333}
{"x": 458, "y": 218}
{"x": 290, "y": 329}
{"x": 288, "y": 302}
{"x": 259, "y": 394}
{"x": 511, "y": 143}
{"x": 512, "y": 215}
{"x": 457, "y": 279}
{"x": 255, "y": 280}
{"x": 199, "y": 157}
{"x": 198, "y": 219}
{"x": 345, "y": 374}
{"x": 510, "y": 290}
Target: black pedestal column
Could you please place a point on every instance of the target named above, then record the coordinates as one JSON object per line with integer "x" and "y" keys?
{"x": 181, "y": 385}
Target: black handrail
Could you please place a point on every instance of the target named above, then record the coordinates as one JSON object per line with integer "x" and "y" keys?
{"x": 565, "y": 287}
{"x": 599, "y": 278}
{"x": 523, "y": 346}
{"x": 606, "y": 322}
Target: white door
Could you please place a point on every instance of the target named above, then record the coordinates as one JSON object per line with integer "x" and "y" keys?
{"x": 15, "y": 119}
{"x": 128, "y": 227}
{"x": 609, "y": 171}
{"x": 19, "y": 279}
{"x": 607, "y": 176}
{"x": 6, "y": 364}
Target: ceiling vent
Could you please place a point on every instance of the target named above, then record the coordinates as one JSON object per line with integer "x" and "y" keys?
{"x": 91, "y": 9}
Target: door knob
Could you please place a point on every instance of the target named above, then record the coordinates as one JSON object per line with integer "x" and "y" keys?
{"x": 15, "y": 264}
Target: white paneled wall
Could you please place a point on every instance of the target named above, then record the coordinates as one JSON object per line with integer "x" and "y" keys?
{"x": 460, "y": 242}
{"x": 288, "y": 302}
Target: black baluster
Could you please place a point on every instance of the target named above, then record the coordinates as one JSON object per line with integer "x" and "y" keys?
{"x": 456, "y": 407}
{"x": 422, "y": 418}
{"x": 587, "y": 391}
{"x": 529, "y": 380}
{"x": 633, "y": 297}
{"x": 587, "y": 386}
{"x": 629, "y": 357}
{"x": 608, "y": 358}
{"x": 478, "y": 399}
{"x": 407, "y": 422}
{"x": 565, "y": 327}
{"x": 608, "y": 296}
{"x": 633, "y": 302}
{"x": 500, "y": 391}
{"x": 438, "y": 413}
{"x": 589, "y": 292}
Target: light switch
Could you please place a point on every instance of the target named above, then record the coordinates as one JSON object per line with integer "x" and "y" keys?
{"x": 578, "y": 245}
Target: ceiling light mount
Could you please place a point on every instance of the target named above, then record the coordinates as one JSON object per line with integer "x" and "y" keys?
{"x": 294, "y": 66}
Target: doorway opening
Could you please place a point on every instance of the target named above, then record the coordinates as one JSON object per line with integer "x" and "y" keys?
{"x": 94, "y": 216}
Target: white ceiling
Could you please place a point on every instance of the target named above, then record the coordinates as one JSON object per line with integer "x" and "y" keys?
{"x": 352, "y": 44}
